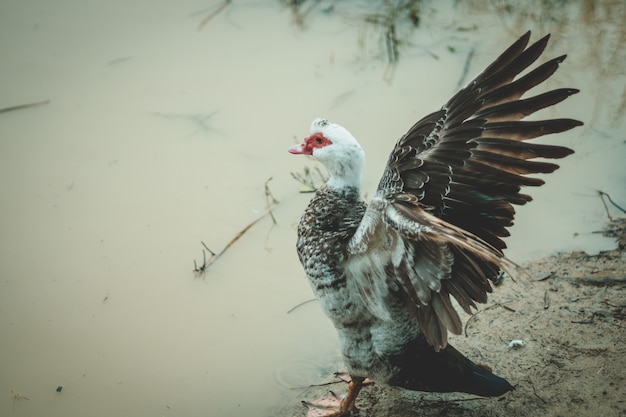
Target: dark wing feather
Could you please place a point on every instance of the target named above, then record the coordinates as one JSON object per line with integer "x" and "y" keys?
{"x": 446, "y": 197}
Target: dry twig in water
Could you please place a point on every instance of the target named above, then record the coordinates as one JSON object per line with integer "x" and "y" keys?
{"x": 199, "y": 270}
{"x": 24, "y": 106}
{"x": 214, "y": 13}
{"x": 602, "y": 195}
{"x": 301, "y": 304}
{"x": 215, "y": 256}
{"x": 270, "y": 200}
{"x": 17, "y": 397}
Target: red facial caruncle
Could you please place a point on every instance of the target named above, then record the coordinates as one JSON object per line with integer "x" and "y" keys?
{"x": 316, "y": 140}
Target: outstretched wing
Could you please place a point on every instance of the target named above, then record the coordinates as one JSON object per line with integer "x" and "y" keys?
{"x": 434, "y": 227}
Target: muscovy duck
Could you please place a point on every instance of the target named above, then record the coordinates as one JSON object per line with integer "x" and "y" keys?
{"x": 384, "y": 272}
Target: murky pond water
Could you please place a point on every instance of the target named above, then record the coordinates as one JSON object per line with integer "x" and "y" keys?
{"x": 161, "y": 131}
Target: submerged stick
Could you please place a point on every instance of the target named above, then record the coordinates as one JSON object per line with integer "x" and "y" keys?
{"x": 301, "y": 304}
{"x": 602, "y": 194}
{"x": 24, "y": 106}
{"x": 17, "y": 397}
{"x": 270, "y": 201}
{"x": 215, "y": 256}
{"x": 217, "y": 11}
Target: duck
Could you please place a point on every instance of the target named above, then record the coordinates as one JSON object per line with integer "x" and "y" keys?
{"x": 385, "y": 271}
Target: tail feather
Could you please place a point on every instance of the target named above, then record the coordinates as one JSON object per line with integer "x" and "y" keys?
{"x": 423, "y": 369}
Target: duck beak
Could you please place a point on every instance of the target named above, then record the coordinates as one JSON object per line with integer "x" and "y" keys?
{"x": 299, "y": 150}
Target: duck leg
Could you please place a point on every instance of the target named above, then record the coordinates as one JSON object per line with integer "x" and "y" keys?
{"x": 332, "y": 406}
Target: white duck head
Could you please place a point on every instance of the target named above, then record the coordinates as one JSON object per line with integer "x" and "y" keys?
{"x": 337, "y": 149}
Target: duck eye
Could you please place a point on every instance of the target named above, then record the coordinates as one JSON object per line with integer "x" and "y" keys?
{"x": 318, "y": 140}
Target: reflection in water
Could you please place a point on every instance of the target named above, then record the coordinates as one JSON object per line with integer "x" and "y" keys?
{"x": 103, "y": 200}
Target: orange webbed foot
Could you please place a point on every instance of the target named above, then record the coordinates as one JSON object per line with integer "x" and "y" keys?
{"x": 332, "y": 405}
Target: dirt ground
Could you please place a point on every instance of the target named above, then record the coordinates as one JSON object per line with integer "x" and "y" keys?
{"x": 569, "y": 311}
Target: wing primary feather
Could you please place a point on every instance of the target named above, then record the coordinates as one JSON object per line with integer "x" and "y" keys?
{"x": 500, "y": 73}
{"x": 516, "y": 66}
{"x": 497, "y": 65}
{"x": 513, "y": 165}
{"x": 514, "y": 90}
{"x": 522, "y": 130}
{"x": 521, "y": 150}
{"x": 517, "y": 110}
{"x": 507, "y": 56}
{"x": 504, "y": 176}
